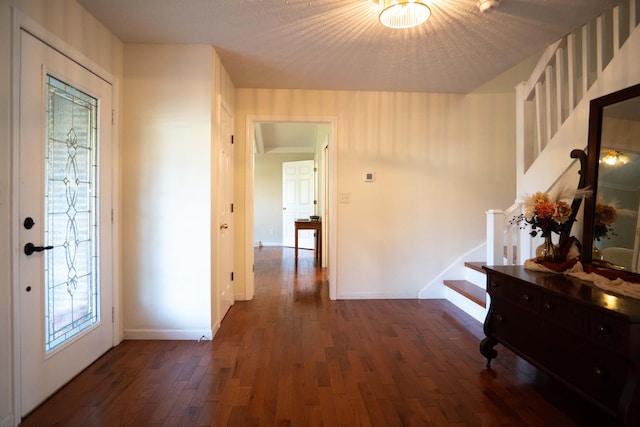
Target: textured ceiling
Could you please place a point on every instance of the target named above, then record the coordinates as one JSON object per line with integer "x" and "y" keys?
{"x": 339, "y": 44}
{"x": 276, "y": 137}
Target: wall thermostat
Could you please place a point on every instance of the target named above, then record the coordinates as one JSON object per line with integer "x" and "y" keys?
{"x": 369, "y": 177}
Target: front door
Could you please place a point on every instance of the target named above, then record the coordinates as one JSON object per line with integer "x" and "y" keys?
{"x": 64, "y": 193}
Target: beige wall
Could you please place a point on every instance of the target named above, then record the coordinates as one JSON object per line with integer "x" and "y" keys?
{"x": 71, "y": 24}
{"x": 169, "y": 243}
{"x": 166, "y": 193}
{"x": 268, "y": 196}
{"x": 440, "y": 162}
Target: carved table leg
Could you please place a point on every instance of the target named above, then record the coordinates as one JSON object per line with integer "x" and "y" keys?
{"x": 487, "y": 350}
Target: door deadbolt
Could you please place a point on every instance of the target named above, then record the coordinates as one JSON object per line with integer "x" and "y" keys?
{"x": 28, "y": 223}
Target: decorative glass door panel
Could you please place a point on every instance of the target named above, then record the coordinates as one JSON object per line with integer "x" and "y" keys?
{"x": 65, "y": 279}
{"x": 71, "y": 282}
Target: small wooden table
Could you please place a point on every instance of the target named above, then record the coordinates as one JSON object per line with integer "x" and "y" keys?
{"x": 307, "y": 224}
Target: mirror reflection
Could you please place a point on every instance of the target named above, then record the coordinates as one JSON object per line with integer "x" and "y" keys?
{"x": 616, "y": 230}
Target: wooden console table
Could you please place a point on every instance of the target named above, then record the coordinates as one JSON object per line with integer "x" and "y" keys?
{"x": 585, "y": 338}
{"x": 305, "y": 224}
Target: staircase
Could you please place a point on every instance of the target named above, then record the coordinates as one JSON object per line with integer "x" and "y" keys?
{"x": 470, "y": 294}
{"x": 551, "y": 111}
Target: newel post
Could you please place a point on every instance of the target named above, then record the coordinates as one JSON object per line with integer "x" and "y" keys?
{"x": 495, "y": 237}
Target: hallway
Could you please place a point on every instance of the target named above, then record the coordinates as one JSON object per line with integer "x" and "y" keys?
{"x": 292, "y": 357}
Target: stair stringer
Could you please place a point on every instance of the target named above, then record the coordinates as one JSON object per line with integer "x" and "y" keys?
{"x": 436, "y": 289}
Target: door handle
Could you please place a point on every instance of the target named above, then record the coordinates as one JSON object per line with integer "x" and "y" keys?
{"x": 30, "y": 248}
{"x": 224, "y": 226}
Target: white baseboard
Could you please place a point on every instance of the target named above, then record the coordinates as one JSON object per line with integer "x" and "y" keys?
{"x": 7, "y": 421}
{"x": 376, "y": 295}
{"x": 168, "y": 334}
{"x": 256, "y": 244}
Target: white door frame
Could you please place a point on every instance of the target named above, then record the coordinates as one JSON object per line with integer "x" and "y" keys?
{"x": 22, "y": 22}
{"x": 332, "y": 221}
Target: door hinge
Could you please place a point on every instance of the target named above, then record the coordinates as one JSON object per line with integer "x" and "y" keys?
{"x": 315, "y": 169}
{"x": 113, "y": 117}
{"x": 113, "y": 315}
{"x": 232, "y": 276}
{"x": 112, "y": 215}
{"x": 231, "y": 207}
{"x": 232, "y": 139}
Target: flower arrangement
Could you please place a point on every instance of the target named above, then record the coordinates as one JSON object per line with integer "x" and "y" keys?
{"x": 544, "y": 215}
{"x": 605, "y": 216}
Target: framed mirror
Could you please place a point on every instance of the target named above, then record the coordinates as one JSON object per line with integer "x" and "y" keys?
{"x": 611, "y": 235}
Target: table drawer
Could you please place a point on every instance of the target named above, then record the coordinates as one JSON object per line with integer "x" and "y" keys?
{"x": 521, "y": 330}
{"x": 595, "y": 372}
{"x": 517, "y": 293}
{"x": 563, "y": 313}
{"x": 609, "y": 331}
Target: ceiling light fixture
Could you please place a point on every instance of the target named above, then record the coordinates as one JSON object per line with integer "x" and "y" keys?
{"x": 485, "y": 5}
{"x": 403, "y": 14}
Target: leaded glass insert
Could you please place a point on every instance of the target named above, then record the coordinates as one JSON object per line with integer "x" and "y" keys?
{"x": 71, "y": 274}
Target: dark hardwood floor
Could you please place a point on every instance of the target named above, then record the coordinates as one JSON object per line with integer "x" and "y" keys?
{"x": 293, "y": 357}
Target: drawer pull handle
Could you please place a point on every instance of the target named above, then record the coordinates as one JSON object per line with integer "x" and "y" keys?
{"x": 495, "y": 285}
{"x": 602, "y": 329}
{"x": 598, "y": 372}
{"x": 499, "y": 318}
{"x": 526, "y": 297}
{"x": 548, "y": 306}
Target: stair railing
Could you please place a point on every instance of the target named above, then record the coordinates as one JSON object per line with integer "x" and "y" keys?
{"x": 504, "y": 239}
{"x": 562, "y": 77}
{"x": 564, "y": 74}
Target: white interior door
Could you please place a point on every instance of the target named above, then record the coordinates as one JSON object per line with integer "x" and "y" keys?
{"x": 65, "y": 283}
{"x": 298, "y": 196}
{"x": 225, "y": 182}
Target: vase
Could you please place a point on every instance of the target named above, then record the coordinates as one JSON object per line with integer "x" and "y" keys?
{"x": 596, "y": 255}
{"x": 548, "y": 251}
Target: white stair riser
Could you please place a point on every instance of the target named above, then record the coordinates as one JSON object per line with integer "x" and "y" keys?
{"x": 471, "y": 308}
{"x": 475, "y": 277}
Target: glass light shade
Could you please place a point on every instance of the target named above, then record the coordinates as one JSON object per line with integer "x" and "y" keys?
{"x": 485, "y": 5}
{"x": 403, "y": 14}
{"x": 613, "y": 158}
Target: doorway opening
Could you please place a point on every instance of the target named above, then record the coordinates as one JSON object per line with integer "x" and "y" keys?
{"x": 271, "y": 143}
